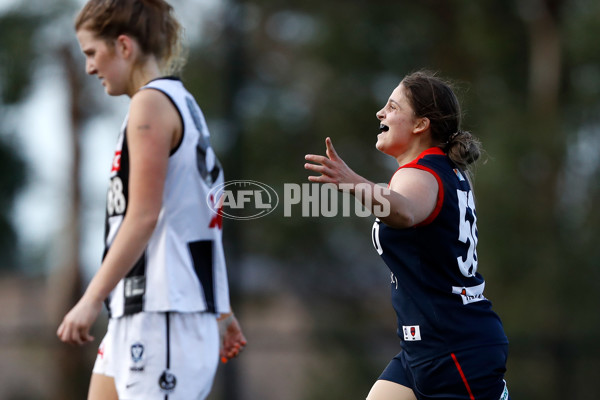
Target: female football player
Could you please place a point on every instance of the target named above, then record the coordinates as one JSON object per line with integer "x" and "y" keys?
{"x": 163, "y": 275}
{"x": 453, "y": 344}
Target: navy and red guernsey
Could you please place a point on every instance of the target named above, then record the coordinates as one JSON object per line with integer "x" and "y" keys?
{"x": 437, "y": 292}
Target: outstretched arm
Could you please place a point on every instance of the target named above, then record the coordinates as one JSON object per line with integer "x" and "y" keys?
{"x": 409, "y": 200}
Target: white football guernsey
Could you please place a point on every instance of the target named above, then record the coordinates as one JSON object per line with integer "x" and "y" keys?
{"x": 183, "y": 266}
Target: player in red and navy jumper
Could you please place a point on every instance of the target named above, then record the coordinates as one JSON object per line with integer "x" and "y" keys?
{"x": 437, "y": 292}
{"x": 453, "y": 344}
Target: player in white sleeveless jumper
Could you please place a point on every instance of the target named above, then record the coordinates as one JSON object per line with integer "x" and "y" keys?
{"x": 163, "y": 276}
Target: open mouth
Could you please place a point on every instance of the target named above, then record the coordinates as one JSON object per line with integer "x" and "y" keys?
{"x": 384, "y": 128}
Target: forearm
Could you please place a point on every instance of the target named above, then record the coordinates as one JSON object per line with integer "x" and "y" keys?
{"x": 390, "y": 207}
{"x": 126, "y": 249}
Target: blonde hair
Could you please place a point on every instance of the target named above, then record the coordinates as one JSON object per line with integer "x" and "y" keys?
{"x": 151, "y": 23}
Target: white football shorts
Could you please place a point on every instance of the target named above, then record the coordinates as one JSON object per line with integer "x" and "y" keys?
{"x": 160, "y": 356}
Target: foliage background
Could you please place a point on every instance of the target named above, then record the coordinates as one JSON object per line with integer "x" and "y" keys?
{"x": 274, "y": 79}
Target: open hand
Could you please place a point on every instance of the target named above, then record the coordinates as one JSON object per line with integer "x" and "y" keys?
{"x": 332, "y": 168}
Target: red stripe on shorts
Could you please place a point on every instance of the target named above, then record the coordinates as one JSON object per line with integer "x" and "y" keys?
{"x": 462, "y": 375}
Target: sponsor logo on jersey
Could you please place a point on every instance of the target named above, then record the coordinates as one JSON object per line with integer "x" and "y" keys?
{"x": 411, "y": 333}
{"x": 470, "y": 294}
{"x": 116, "y": 164}
{"x": 459, "y": 175}
{"x": 135, "y": 286}
{"x": 167, "y": 382}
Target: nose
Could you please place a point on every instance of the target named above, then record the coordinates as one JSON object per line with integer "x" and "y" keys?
{"x": 90, "y": 68}
{"x": 380, "y": 114}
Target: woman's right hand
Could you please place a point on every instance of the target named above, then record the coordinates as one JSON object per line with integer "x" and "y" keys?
{"x": 75, "y": 326}
{"x": 332, "y": 168}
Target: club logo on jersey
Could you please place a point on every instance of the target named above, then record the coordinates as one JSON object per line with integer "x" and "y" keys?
{"x": 167, "y": 382}
{"x": 471, "y": 294}
{"x": 243, "y": 200}
{"x": 411, "y": 333}
{"x": 137, "y": 355}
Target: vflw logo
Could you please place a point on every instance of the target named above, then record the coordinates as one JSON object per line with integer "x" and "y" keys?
{"x": 137, "y": 357}
{"x": 411, "y": 333}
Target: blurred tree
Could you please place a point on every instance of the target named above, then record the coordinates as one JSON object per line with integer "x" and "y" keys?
{"x": 19, "y": 53}
{"x": 16, "y": 56}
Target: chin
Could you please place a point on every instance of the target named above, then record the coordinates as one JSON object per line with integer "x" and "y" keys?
{"x": 112, "y": 92}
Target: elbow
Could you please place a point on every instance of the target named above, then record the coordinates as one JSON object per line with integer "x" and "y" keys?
{"x": 399, "y": 220}
{"x": 144, "y": 220}
{"x": 149, "y": 221}
{"x": 404, "y": 220}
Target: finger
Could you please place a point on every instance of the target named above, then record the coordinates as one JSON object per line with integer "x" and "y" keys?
{"x": 331, "y": 153}
{"x": 88, "y": 338}
{"x": 321, "y": 169}
{"x": 84, "y": 336}
{"x": 317, "y": 159}
{"x": 75, "y": 338}
{"x": 321, "y": 179}
{"x": 65, "y": 333}
{"x": 60, "y": 329}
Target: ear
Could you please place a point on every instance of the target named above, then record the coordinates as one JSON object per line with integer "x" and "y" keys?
{"x": 125, "y": 46}
{"x": 421, "y": 125}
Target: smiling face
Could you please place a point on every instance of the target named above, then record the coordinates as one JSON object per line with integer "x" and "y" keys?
{"x": 104, "y": 60}
{"x": 398, "y": 124}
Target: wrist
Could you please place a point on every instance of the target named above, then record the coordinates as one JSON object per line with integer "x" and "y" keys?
{"x": 224, "y": 322}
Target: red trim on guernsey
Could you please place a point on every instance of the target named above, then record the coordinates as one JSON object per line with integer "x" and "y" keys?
{"x": 440, "y": 197}
{"x": 463, "y": 377}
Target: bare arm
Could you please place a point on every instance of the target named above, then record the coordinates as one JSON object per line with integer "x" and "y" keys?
{"x": 153, "y": 124}
{"x": 411, "y": 200}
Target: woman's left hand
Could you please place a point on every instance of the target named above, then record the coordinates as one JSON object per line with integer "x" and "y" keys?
{"x": 234, "y": 340}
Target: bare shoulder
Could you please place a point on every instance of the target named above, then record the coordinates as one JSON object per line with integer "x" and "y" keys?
{"x": 413, "y": 181}
{"x": 151, "y": 110}
{"x": 151, "y": 101}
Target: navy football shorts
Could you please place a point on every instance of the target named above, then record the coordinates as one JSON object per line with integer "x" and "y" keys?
{"x": 475, "y": 374}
